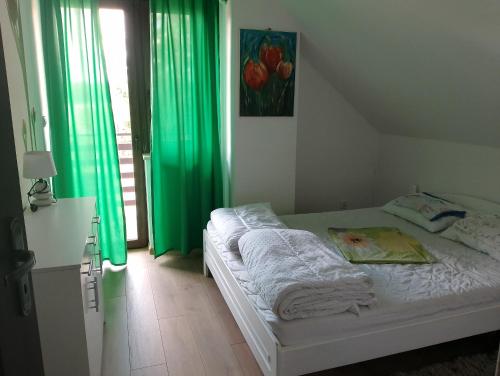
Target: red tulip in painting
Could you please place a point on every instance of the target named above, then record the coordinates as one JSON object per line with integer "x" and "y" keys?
{"x": 255, "y": 74}
{"x": 271, "y": 56}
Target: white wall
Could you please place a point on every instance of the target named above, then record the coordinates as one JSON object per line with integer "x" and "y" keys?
{"x": 436, "y": 166}
{"x": 326, "y": 153}
{"x": 263, "y": 148}
{"x": 337, "y": 150}
{"x": 30, "y": 15}
{"x": 15, "y": 82}
{"x": 16, "y": 93}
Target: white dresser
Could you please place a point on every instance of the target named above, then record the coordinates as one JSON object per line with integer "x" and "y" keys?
{"x": 67, "y": 281}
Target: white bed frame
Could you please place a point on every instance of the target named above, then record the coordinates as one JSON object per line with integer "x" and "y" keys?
{"x": 275, "y": 359}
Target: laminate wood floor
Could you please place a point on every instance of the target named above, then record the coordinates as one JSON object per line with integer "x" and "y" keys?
{"x": 164, "y": 318}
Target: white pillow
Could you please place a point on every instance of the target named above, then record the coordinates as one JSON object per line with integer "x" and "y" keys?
{"x": 418, "y": 219}
{"x": 478, "y": 231}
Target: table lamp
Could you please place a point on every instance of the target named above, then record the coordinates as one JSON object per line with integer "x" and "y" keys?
{"x": 39, "y": 165}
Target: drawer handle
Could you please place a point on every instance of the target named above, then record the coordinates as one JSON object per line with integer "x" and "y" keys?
{"x": 91, "y": 239}
{"x": 96, "y": 219}
{"x": 98, "y": 269}
{"x": 90, "y": 264}
{"x": 92, "y": 285}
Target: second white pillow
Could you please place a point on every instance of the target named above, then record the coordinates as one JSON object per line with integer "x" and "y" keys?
{"x": 478, "y": 231}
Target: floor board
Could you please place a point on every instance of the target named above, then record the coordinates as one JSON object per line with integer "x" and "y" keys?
{"x": 246, "y": 360}
{"x": 116, "y": 360}
{"x": 145, "y": 342}
{"x": 181, "y": 350}
{"x": 160, "y": 370}
{"x": 229, "y": 328}
{"x": 216, "y": 352}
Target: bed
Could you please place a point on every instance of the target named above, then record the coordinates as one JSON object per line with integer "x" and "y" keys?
{"x": 417, "y": 306}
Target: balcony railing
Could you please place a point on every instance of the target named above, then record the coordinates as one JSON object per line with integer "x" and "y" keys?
{"x": 126, "y": 161}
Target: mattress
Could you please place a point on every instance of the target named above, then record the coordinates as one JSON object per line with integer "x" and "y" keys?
{"x": 463, "y": 279}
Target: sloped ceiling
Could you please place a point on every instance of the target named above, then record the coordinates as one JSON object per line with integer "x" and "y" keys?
{"x": 420, "y": 68}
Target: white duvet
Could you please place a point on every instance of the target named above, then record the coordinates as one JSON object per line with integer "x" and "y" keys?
{"x": 299, "y": 277}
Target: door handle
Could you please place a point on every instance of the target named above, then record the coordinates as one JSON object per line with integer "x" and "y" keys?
{"x": 24, "y": 262}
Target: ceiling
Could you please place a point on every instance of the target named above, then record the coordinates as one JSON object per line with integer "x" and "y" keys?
{"x": 419, "y": 68}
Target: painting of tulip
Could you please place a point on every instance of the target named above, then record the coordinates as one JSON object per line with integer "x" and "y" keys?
{"x": 267, "y": 72}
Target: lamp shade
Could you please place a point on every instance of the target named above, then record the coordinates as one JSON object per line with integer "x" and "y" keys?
{"x": 38, "y": 164}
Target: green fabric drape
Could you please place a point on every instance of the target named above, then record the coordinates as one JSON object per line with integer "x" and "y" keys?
{"x": 185, "y": 153}
{"x": 82, "y": 130}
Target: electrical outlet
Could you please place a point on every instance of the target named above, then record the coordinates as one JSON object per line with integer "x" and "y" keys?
{"x": 343, "y": 205}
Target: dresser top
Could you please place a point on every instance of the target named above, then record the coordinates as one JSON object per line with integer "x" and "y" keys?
{"x": 57, "y": 233}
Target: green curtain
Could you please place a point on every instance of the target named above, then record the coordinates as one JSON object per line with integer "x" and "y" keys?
{"x": 186, "y": 147}
{"x": 82, "y": 130}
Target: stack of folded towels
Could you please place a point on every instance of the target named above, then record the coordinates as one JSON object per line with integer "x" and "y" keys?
{"x": 296, "y": 274}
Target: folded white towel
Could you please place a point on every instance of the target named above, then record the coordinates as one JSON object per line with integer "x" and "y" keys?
{"x": 232, "y": 223}
{"x": 299, "y": 277}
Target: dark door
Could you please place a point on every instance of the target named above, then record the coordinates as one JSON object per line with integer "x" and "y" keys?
{"x": 20, "y": 353}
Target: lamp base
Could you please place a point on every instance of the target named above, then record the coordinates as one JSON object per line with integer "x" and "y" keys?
{"x": 44, "y": 202}
{"x": 41, "y": 194}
